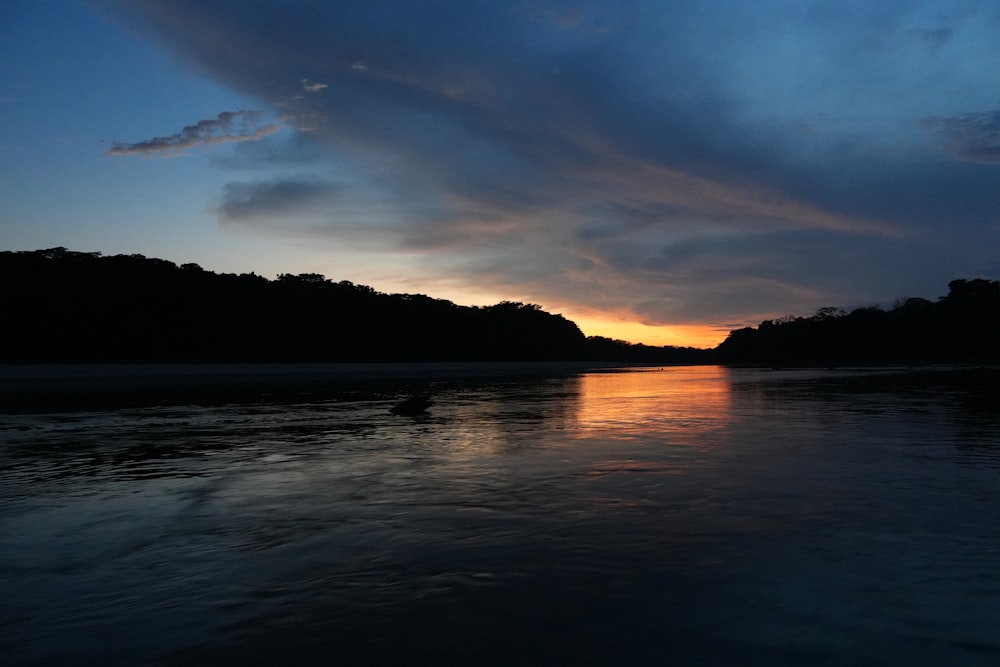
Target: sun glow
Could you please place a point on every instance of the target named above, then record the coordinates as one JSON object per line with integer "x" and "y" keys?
{"x": 592, "y": 322}
{"x": 687, "y": 335}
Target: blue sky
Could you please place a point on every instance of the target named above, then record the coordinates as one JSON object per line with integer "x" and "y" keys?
{"x": 656, "y": 171}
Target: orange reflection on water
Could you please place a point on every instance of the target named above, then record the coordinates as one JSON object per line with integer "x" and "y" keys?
{"x": 646, "y": 430}
{"x": 680, "y": 400}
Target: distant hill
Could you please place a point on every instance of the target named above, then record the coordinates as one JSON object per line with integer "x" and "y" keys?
{"x": 63, "y": 306}
{"x": 961, "y": 327}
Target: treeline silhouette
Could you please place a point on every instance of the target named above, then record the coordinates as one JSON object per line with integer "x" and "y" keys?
{"x": 960, "y": 327}
{"x": 66, "y": 306}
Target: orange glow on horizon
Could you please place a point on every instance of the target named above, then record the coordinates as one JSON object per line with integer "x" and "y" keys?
{"x": 685, "y": 335}
{"x": 592, "y": 322}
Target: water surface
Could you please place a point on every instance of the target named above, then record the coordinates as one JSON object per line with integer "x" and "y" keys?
{"x": 687, "y": 515}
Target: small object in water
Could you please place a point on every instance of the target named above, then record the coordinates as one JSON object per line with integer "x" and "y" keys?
{"x": 414, "y": 405}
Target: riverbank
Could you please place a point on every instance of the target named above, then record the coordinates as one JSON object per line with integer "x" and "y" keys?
{"x": 53, "y": 387}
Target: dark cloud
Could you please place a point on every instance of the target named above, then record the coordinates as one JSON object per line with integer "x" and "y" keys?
{"x": 604, "y": 149}
{"x": 934, "y": 38}
{"x": 972, "y": 136}
{"x": 274, "y": 199}
{"x": 227, "y": 127}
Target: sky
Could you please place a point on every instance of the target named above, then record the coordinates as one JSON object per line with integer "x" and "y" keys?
{"x": 659, "y": 171}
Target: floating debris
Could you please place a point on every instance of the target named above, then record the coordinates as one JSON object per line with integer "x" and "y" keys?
{"x": 414, "y": 405}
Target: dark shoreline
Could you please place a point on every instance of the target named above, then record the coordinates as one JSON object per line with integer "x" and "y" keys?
{"x": 26, "y": 388}
{"x": 59, "y": 387}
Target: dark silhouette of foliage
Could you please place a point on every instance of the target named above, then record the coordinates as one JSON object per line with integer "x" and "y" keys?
{"x": 961, "y": 327}
{"x": 66, "y": 306}
{"x": 601, "y": 348}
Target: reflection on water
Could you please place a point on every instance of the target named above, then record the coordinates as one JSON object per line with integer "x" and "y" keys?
{"x": 679, "y": 402}
{"x": 670, "y": 515}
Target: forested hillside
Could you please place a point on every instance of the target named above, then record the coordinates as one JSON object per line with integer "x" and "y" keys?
{"x": 66, "y": 306}
{"x": 960, "y": 327}
{"x": 60, "y": 305}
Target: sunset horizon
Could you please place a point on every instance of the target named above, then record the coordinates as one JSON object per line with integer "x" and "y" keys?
{"x": 472, "y": 332}
{"x": 659, "y": 174}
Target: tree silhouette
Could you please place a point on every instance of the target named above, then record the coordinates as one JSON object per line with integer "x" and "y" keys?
{"x": 67, "y": 306}
{"x": 963, "y": 326}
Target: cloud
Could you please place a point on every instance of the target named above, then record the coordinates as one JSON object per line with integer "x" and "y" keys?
{"x": 227, "y": 127}
{"x": 245, "y": 201}
{"x": 668, "y": 158}
{"x": 974, "y": 137}
{"x": 285, "y": 150}
{"x": 934, "y": 38}
{"x": 313, "y": 87}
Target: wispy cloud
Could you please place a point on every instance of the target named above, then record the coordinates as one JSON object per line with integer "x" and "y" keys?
{"x": 934, "y": 39}
{"x": 314, "y": 87}
{"x": 227, "y": 127}
{"x": 974, "y": 137}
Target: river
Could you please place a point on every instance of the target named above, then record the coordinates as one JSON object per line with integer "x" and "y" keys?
{"x": 692, "y": 515}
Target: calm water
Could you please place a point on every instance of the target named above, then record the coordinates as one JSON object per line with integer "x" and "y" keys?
{"x": 677, "y": 516}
